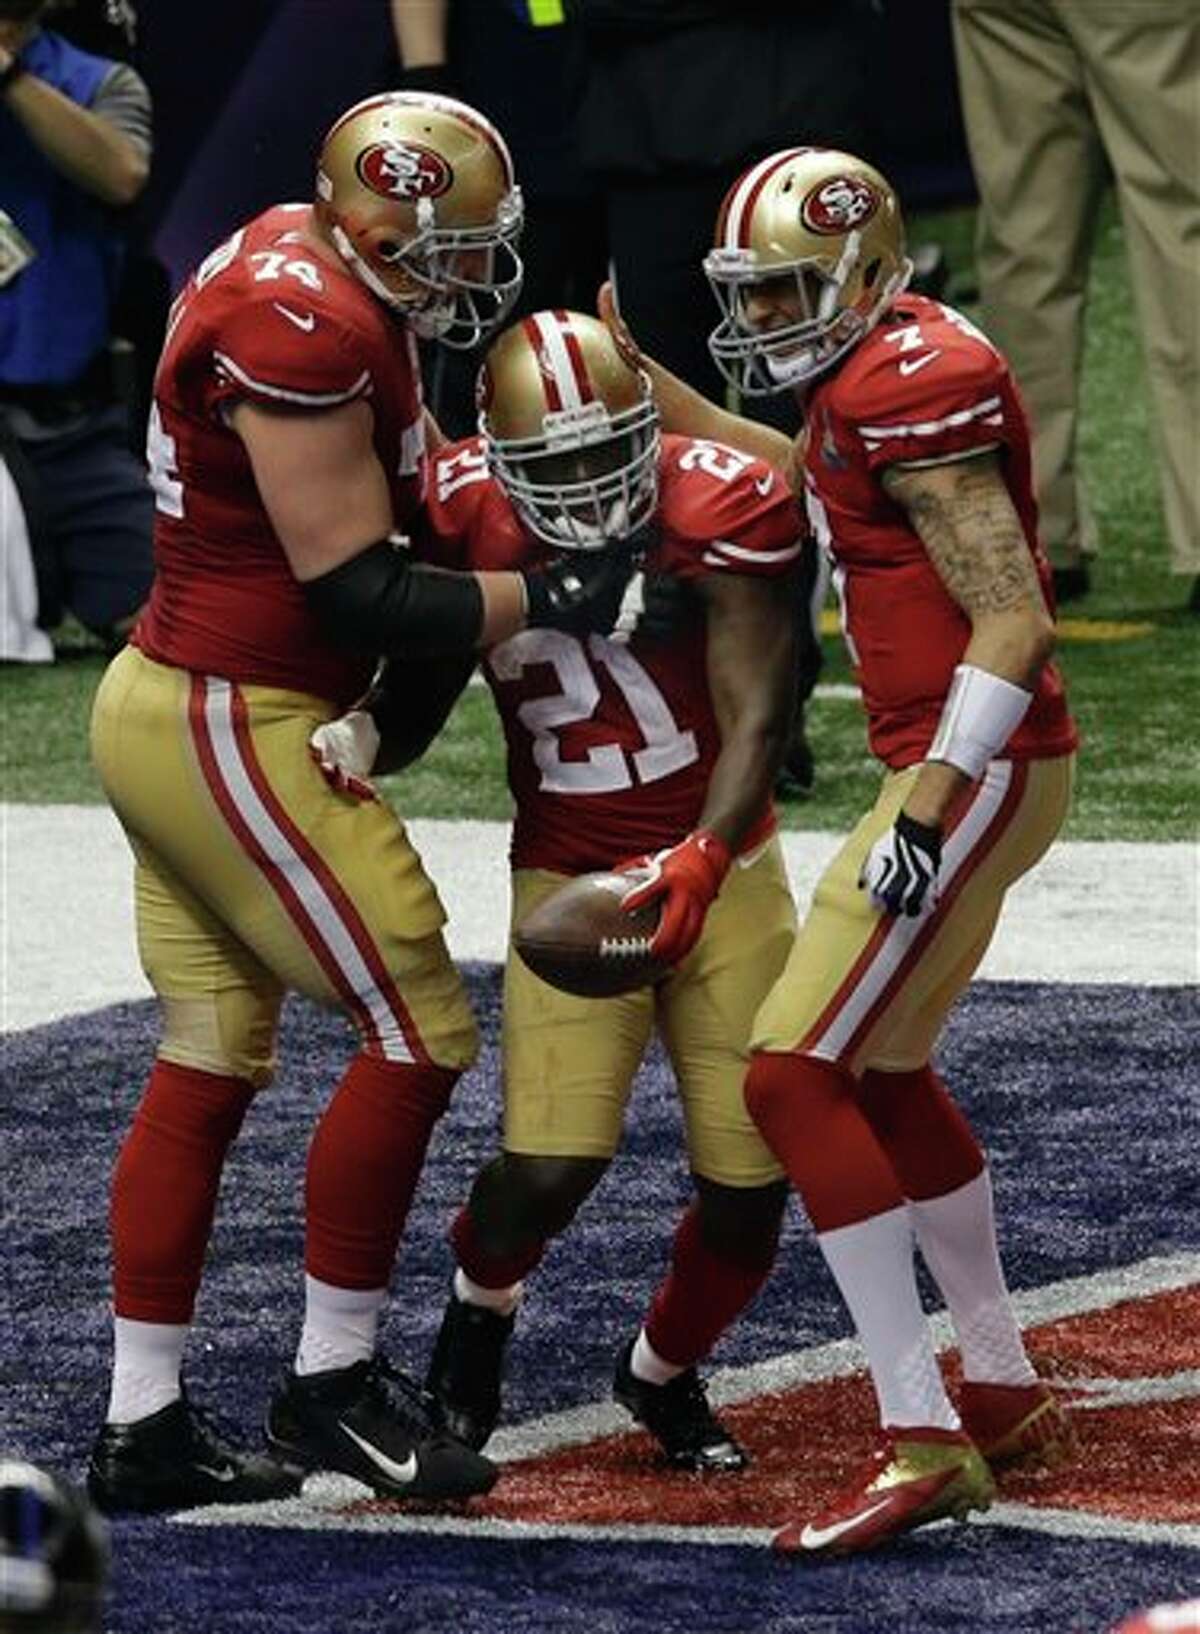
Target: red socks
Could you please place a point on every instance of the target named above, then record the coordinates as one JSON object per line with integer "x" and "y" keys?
{"x": 164, "y": 1190}
{"x": 927, "y": 1139}
{"x": 703, "y": 1294}
{"x": 809, "y": 1115}
{"x": 363, "y": 1165}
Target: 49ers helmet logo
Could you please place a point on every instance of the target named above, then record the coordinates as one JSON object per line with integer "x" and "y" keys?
{"x": 403, "y": 170}
{"x": 839, "y": 205}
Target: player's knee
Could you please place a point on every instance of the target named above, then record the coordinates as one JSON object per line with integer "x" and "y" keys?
{"x": 441, "y": 1012}
{"x": 523, "y": 1197}
{"x": 742, "y": 1223}
{"x": 769, "y": 1087}
{"x": 230, "y": 1033}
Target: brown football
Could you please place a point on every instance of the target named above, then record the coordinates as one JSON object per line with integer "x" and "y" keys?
{"x": 581, "y": 940}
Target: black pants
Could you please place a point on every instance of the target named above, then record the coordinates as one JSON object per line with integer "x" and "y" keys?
{"x": 91, "y": 520}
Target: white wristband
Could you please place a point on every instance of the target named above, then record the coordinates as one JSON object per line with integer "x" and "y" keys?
{"x": 980, "y": 714}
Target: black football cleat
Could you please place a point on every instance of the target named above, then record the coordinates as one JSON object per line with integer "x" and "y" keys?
{"x": 371, "y": 1422}
{"x": 467, "y": 1369}
{"x": 174, "y": 1459}
{"x": 679, "y": 1418}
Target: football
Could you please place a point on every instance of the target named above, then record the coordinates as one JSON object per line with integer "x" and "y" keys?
{"x": 580, "y": 940}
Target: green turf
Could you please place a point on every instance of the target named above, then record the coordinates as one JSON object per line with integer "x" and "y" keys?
{"x": 1135, "y": 699}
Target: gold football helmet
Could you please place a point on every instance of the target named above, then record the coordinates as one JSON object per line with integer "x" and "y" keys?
{"x": 571, "y": 430}
{"x": 809, "y": 253}
{"x": 416, "y": 192}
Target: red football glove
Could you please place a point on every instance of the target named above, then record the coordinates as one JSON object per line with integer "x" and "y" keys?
{"x": 686, "y": 879}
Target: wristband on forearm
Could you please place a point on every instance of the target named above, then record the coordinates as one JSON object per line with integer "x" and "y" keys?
{"x": 980, "y": 714}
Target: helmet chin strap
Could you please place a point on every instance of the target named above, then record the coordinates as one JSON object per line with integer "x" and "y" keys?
{"x": 363, "y": 270}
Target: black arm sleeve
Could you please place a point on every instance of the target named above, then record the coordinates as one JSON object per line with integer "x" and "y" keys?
{"x": 410, "y": 702}
{"x": 380, "y": 601}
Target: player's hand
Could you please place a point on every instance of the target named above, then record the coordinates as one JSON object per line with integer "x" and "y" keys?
{"x": 606, "y": 308}
{"x": 901, "y": 869}
{"x": 667, "y": 605}
{"x": 345, "y": 750}
{"x": 580, "y": 592}
{"x": 685, "y": 879}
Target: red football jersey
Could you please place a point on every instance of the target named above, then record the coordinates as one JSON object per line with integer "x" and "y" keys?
{"x": 924, "y": 385}
{"x": 611, "y": 740}
{"x": 263, "y": 321}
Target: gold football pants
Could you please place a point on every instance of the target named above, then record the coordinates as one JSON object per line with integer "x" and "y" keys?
{"x": 569, "y": 1062}
{"x": 254, "y": 876}
{"x": 866, "y": 990}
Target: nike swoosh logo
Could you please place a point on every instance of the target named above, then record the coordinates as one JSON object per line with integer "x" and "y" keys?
{"x": 817, "y": 1537}
{"x": 762, "y": 485}
{"x": 403, "y": 1473}
{"x": 307, "y": 322}
{"x": 910, "y": 365}
{"x": 223, "y": 1475}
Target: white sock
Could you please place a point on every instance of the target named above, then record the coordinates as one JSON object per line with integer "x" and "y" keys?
{"x": 147, "y": 1357}
{"x": 872, "y": 1263}
{"x": 647, "y": 1364}
{"x": 503, "y": 1301}
{"x": 957, "y": 1234}
{"x": 340, "y": 1325}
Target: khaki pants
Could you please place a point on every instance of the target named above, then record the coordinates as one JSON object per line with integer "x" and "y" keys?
{"x": 1055, "y": 94}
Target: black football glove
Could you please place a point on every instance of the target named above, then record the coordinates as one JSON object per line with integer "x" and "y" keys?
{"x": 668, "y": 604}
{"x": 901, "y": 869}
{"x": 580, "y": 593}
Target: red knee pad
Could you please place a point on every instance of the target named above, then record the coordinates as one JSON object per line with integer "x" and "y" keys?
{"x": 926, "y": 1136}
{"x": 808, "y": 1113}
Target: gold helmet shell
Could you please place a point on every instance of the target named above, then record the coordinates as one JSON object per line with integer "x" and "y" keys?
{"x": 571, "y": 430}
{"x": 830, "y": 225}
{"x": 417, "y": 194}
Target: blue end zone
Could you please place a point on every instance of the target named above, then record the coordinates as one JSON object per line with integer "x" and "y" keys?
{"x": 1086, "y": 1098}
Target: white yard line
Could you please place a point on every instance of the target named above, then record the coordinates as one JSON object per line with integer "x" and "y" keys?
{"x": 1092, "y": 912}
{"x": 327, "y": 1500}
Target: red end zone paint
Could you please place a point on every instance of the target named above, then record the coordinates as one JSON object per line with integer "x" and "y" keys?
{"x": 1128, "y": 1367}
{"x": 1139, "y": 1456}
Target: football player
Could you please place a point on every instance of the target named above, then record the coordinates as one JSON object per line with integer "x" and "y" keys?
{"x": 287, "y": 447}
{"x": 914, "y": 466}
{"x": 655, "y": 745}
{"x": 54, "y": 1554}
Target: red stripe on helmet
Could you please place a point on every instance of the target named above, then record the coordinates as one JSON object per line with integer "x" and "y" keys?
{"x": 549, "y": 384}
{"x": 770, "y": 168}
{"x": 579, "y": 366}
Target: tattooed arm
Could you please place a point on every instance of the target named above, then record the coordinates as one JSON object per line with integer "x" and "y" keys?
{"x": 969, "y": 526}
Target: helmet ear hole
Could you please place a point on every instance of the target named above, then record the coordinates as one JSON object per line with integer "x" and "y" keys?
{"x": 871, "y": 274}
